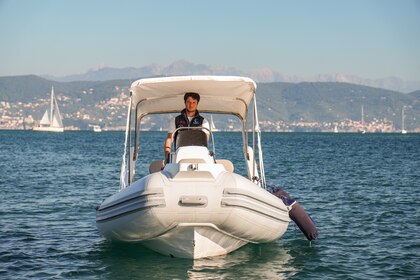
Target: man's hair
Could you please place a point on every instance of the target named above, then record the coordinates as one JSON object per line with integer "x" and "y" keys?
{"x": 193, "y": 95}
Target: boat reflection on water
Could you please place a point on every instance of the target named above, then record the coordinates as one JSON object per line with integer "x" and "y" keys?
{"x": 254, "y": 261}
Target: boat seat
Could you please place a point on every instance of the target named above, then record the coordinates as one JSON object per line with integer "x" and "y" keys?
{"x": 156, "y": 166}
{"x": 227, "y": 164}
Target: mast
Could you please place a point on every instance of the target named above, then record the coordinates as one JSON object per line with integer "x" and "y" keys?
{"x": 52, "y": 105}
{"x": 363, "y": 117}
{"x": 403, "y": 131}
{"x": 402, "y": 118}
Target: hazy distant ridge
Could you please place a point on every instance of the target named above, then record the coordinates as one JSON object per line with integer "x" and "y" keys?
{"x": 182, "y": 67}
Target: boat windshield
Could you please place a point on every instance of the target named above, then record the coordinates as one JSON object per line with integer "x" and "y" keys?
{"x": 190, "y": 137}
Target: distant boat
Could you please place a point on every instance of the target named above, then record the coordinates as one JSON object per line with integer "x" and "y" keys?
{"x": 336, "y": 129}
{"x": 212, "y": 126}
{"x": 96, "y": 128}
{"x": 403, "y": 130}
{"x": 51, "y": 120}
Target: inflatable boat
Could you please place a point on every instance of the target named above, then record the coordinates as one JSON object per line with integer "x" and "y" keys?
{"x": 193, "y": 205}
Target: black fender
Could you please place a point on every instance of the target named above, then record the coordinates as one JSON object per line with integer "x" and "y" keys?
{"x": 298, "y": 214}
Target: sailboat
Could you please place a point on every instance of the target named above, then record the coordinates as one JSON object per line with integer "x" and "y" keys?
{"x": 51, "y": 120}
{"x": 212, "y": 126}
{"x": 403, "y": 130}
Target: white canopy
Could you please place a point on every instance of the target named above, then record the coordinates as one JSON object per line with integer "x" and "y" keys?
{"x": 219, "y": 94}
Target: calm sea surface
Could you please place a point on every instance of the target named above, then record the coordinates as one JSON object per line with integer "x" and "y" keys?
{"x": 362, "y": 191}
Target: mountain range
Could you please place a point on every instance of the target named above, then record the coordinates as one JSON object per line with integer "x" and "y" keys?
{"x": 182, "y": 67}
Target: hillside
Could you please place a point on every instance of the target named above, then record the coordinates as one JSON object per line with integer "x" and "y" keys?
{"x": 30, "y": 88}
{"x": 104, "y": 102}
{"x": 327, "y": 102}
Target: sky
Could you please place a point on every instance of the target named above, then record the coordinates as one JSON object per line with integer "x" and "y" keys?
{"x": 367, "y": 38}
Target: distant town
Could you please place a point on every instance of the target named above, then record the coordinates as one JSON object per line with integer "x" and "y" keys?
{"x": 111, "y": 115}
{"x": 283, "y": 107}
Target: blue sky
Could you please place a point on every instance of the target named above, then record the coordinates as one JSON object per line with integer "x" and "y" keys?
{"x": 367, "y": 38}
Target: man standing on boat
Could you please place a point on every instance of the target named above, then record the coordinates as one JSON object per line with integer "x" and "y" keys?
{"x": 189, "y": 117}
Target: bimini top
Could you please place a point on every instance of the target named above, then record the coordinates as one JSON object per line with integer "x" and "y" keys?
{"x": 219, "y": 94}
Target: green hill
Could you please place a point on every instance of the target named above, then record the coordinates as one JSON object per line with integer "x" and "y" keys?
{"x": 327, "y": 102}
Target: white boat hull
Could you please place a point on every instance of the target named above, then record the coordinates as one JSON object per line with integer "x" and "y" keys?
{"x": 48, "y": 129}
{"x": 193, "y": 219}
{"x": 194, "y": 241}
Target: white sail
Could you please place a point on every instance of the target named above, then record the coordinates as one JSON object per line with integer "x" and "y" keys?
{"x": 45, "y": 119}
{"x": 212, "y": 126}
{"x": 56, "y": 116}
{"x": 51, "y": 120}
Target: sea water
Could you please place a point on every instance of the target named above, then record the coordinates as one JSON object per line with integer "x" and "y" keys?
{"x": 362, "y": 190}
